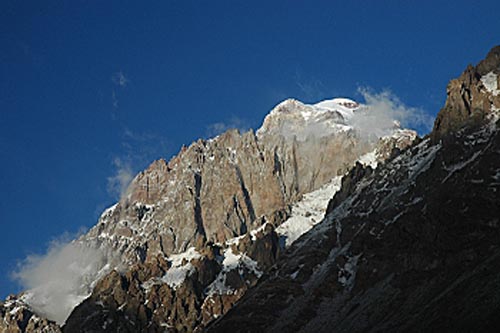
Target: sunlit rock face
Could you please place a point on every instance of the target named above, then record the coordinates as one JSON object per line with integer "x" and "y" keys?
{"x": 229, "y": 206}
{"x": 471, "y": 96}
{"x": 221, "y": 188}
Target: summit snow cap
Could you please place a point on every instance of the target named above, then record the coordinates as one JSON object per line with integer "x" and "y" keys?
{"x": 380, "y": 116}
{"x": 292, "y": 118}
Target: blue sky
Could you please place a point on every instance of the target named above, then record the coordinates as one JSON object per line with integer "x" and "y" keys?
{"x": 92, "y": 88}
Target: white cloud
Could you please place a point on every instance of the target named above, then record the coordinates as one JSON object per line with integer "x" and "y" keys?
{"x": 62, "y": 278}
{"x": 385, "y": 107}
{"x": 119, "y": 182}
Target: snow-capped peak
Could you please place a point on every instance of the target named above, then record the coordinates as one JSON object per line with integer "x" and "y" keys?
{"x": 294, "y": 118}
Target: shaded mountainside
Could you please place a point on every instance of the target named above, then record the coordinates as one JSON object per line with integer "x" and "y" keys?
{"x": 410, "y": 246}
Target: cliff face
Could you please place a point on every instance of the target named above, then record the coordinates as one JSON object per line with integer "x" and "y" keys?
{"x": 470, "y": 96}
{"x": 409, "y": 246}
{"x": 218, "y": 189}
{"x": 219, "y": 203}
{"x": 152, "y": 297}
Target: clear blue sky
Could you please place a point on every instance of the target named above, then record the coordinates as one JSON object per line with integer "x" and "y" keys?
{"x": 89, "y": 87}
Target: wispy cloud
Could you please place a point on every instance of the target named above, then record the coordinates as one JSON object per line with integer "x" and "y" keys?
{"x": 145, "y": 146}
{"x": 385, "y": 107}
{"x": 114, "y": 99}
{"x": 63, "y": 277}
{"x": 233, "y": 123}
{"x": 120, "y": 79}
{"x": 120, "y": 180}
{"x": 138, "y": 149}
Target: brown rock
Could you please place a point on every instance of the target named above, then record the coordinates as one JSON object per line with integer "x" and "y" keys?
{"x": 468, "y": 100}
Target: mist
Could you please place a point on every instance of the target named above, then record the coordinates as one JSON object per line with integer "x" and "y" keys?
{"x": 119, "y": 182}
{"x": 380, "y": 111}
{"x": 62, "y": 278}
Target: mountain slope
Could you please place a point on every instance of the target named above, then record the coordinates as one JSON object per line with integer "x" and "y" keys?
{"x": 229, "y": 235}
{"x": 217, "y": 189}
{"x": 187, "y": 295}
{"x": 190, "y": 236}
{"x": 411, "y": 246}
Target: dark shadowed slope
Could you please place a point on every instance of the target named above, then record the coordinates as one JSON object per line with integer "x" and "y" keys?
{"x": 411, "y": 246}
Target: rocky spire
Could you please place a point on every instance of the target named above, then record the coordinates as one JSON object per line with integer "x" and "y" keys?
{"x": 471, "y": 96}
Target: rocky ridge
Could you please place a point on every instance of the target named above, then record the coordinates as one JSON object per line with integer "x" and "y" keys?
{"x": 220, "y": 188}
{"x": 471, "y": 96}
{"x": 176, "y": 207}
{"x": 203, "y": 283}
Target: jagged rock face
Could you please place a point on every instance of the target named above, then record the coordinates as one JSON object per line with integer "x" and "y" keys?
{"x": 410, "y": 246}
{"x": 17, "y": 317}
{"x": 210, "y": 192}
{"x": 217, "y": 189}
{"x": 212, "y": 282}
{"x": 146, "y": 299}
{"x": 476, "y": 90}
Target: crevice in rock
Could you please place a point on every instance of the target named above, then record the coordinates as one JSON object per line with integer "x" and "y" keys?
{"x": 246, "y": 195}
{"x": 198, "y": 218}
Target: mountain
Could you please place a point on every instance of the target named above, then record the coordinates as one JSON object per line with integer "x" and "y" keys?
{"x": 203, "y": 227}
{"x": 228, "y": 206}
{"x": 410, "y": 246}
{"x": 231, "y": 234}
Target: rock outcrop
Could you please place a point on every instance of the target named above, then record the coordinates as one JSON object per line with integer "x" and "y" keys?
{"x": 17, "y": 317}
{"x": 147, "y": 298}
{"x": 470, "y": 96}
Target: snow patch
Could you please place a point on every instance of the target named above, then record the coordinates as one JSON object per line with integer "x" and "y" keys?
{"x": 490, "y": 82}
{"x": 232, "y": 261}
{"x": 347, "y": 274}
{"x": 395, "y": 218}
{"x": 181, "y": 267}
{"x": 459, "y": 166}
{"x": 308, "y": 212}
{"x": 369, "y": 159}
